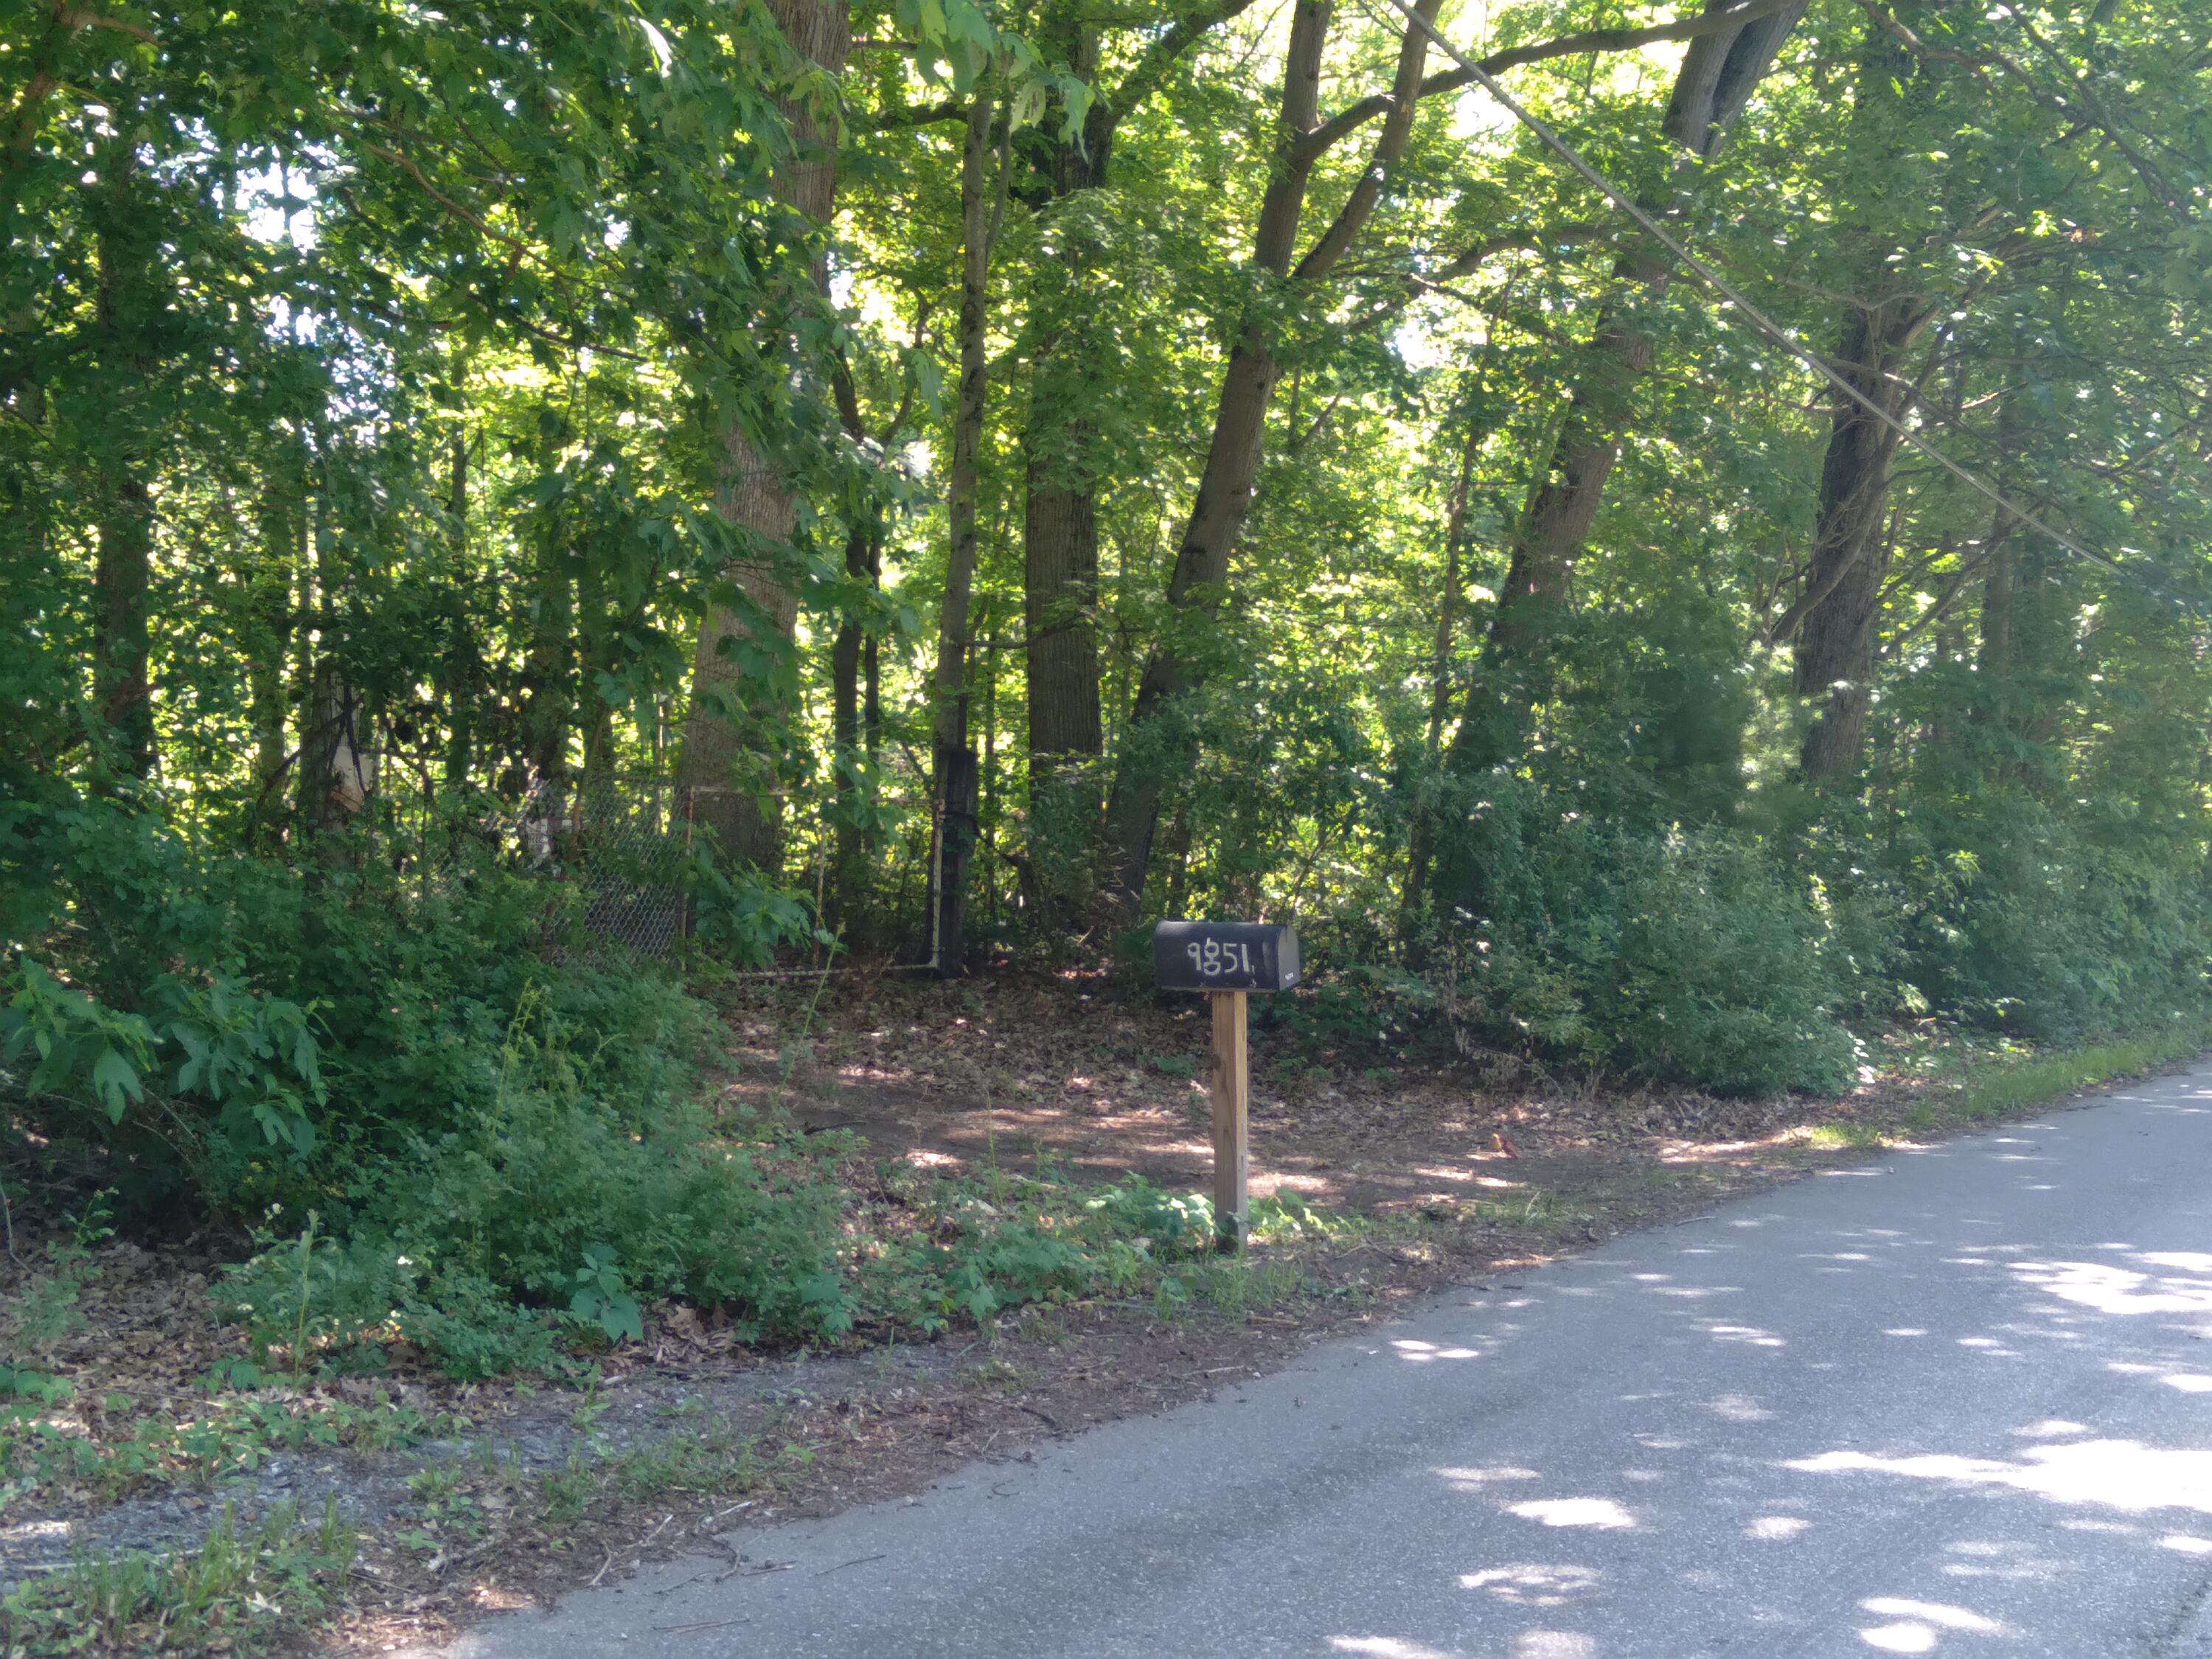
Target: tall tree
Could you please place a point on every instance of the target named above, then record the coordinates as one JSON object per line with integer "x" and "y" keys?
{"x": 1248, "y": 382}
{"x": 1718, "y": 75}
{"x": 1837, "y": 618}
{"x": 733, "y": 738}
{"x": 1152, "y": 750}
{"x": 1070, "y": 375}
{"x": 130, "y": 316}
{"x": 953, "y": 767}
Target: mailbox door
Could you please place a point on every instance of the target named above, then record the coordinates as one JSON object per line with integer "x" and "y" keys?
{"x": 1225, "y": 956}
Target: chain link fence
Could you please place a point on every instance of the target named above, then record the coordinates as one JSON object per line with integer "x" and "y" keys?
{"x": 621, "y": 843}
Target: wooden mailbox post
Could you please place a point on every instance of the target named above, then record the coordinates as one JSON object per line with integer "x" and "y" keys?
{"x": 1228, "y": 961}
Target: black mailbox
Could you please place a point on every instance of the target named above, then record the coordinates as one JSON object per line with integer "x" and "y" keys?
{"x": 1225, "y": 956}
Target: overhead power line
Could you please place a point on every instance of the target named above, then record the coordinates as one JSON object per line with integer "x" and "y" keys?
{"x": 1775, "y": 331}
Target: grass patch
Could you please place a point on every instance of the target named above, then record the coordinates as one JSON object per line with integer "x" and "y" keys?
{"x": 1540, "y": 1210}
{"x": 242, "y": 1591}
{"x": 1961, "y": 1086}
{"x": 715, "y": 1462}
{"x": 48, "y": 1437}
{"x": 1844, "y": 1138}
{"x": 2019, "y": 1084}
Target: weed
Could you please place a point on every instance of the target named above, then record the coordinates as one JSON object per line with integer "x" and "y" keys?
{"x": 446, "y": 1512}
{"x": 711, "y": 1461}
{"x": 239, "y": 1592}
{"x": 1238, "y": 1285}
{"x": 585, "y": 1419}
{"x": 43, "y": 1312}
{"x": 601, "y": 1297}
{"x": 567, "y": 1494}
{"x": 995, "y": 1376}
{"x": 43, "y": 1441}
{"x": 1843, "y": 1137}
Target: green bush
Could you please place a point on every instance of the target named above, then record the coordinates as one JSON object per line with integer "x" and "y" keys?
{"x": 473, "y": 1244}
{"x": 1685, "y": 955}
{"x": 2039, "y": 929}
{"x": 1722, "y": 975}
{"x": 409, "y": 1049}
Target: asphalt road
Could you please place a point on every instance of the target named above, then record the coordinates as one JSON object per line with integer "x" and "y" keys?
{"x": 1957, "y": 1401}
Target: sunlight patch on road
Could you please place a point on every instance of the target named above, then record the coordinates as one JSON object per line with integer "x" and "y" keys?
{"x": 1906, "y": 1638}
{"x": 1473, "y": 1480}
{"x": 1776, "y": 1527}
{"x": 1600, "y": 1512}
{"x": 1553, "y": 1644}
{"x": 1749, "y": 1335}
{"x": 1421, "y": 1353}
{"x": 1919, "y": 1625}
{"x": 2121, "y": 1474}
{"x": 1532, "y": 1585}
{"x": 2109, "y": 1289}
{"x": 2006, "y": 1558}
{"x": 1933, "y": 1613}
{"x": 1739, "y": 1408}
{"x": 2189, "y": 1262}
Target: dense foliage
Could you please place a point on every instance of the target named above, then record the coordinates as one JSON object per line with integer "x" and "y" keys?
{"x": 966, "y": 479}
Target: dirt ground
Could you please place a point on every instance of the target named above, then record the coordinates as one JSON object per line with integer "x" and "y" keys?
{"x": 1063, "y": 1072}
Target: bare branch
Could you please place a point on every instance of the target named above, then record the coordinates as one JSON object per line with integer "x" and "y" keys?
{"x": 1148, "y": 71}
{"x": 1355, "y": 116}
{"x": 920, "y": 115}
{"x": 1397, "y": 127}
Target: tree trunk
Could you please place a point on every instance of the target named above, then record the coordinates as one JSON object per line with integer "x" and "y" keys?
{"x": 729, "y": 773}
{"x": 1067, "y": 734}
{"x": 336, "y": 767}
{"x": 952, "y": 762}
{"x": 1421, "y": 837}
{"x": 1059, "y": 529}
{"x": 1069, "y": 367}
{"x": 1060, "y": 588}
{"x": 1720, "y": 71}
{"x": 549, "y": 666}
{"x": 338, "y": 770}
{"x": 1836, "y": 619}
{"x": 861, "y": 555}
{"x": 1993, "y": 656}
{"x": 270, "y": 624}
{"x": 1447, "y": 645}
{"x": 987, "y": 817}
{"x": 595, "y": 632}
{"x": 872, "y": 677}
{"x": 122, "y": 636}
{"x": 463, "y": 665}
{"x": 1840, "y": 627}
{"x": 122, "y": 625}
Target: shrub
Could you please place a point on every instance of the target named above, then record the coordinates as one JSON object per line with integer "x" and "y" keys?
{"x": 1684, "y": 955}
{"x": 472, "y": 1244}
{"x": 386, "y": 1044}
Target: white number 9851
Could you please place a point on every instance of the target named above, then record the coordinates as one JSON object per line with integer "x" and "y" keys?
{"x": 1212, "y": 958}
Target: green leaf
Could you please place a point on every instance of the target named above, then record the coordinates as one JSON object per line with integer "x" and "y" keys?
{"x": 115, "y": 1083}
